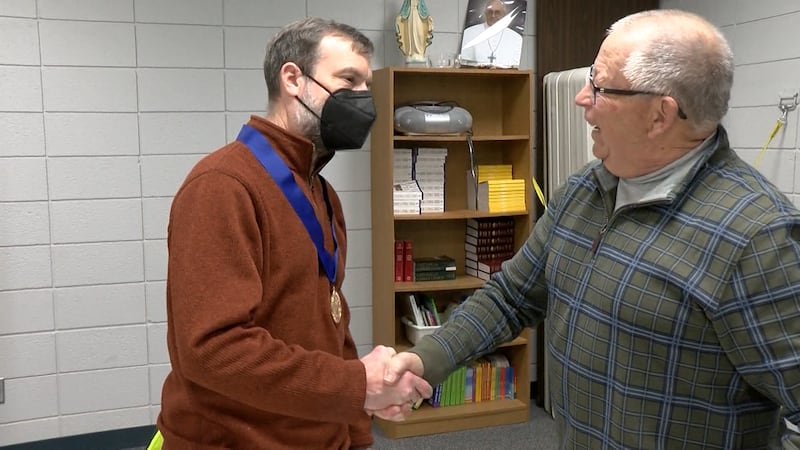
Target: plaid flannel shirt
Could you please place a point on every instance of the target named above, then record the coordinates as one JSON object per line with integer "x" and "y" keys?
{"x": 671, "y": 323}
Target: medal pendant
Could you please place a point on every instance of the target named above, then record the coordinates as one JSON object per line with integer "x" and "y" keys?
{"x": 336, "y": 306}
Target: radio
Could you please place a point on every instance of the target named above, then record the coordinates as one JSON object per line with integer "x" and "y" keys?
{"x": 432, "y": 118}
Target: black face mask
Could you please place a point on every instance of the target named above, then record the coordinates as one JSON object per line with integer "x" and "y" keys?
{"x": 346, "y": 118}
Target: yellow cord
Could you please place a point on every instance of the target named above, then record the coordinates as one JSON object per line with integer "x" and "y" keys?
{"x": 778, "y": 126}
{"x": 157, "y": 442}
{"x": 539, "y": 192}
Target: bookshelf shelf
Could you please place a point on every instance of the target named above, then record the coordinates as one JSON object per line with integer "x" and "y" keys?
{"x": 428, "y": 420}
{"x": 519, "y": 340}
{"x": 459, "y": 138}
{"x": 460, "y": 283}
{"x": 500, "y": 102}
{"x": 457, "y": 214}
{"x": 426, "y": 412}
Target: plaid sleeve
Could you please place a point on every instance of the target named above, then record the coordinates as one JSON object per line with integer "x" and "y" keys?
{"x": 511, "y": 300}
{"x": 759, "y": 320}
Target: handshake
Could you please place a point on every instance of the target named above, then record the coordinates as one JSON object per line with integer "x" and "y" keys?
{"x": 394, "y": 383}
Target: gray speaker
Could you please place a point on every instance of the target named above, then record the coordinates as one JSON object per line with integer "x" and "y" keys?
{"x": 432, "y": 118}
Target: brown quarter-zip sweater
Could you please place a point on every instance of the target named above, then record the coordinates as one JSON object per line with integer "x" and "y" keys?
{"x": 257, "y": 360}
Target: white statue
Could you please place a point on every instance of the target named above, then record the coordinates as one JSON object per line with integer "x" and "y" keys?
{"x": 414, "y": 31}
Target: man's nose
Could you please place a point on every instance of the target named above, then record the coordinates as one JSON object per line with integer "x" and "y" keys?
{"x": 584, "y": 96}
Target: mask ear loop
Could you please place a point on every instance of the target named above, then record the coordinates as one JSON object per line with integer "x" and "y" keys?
{"x": 318, "y": 84}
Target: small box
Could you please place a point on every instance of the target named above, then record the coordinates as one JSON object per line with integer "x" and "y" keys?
{"x": 415, "y": 332}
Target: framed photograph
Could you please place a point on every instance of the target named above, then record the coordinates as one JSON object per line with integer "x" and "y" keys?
{"x": 493, "y": 33}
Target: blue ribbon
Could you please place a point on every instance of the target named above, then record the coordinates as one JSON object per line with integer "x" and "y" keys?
{"x": 279, "y": 172}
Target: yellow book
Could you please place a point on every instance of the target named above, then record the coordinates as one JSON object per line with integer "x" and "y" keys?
{"x": 505, "y": 195}
{"x": 478, "y": 381}
{"x": 494, "y": 172}
{"x": 508, "y": 182}
{"x": 494, "y": 190}
{"x": 505, "y": 201}
{"x": 506, "y": 208}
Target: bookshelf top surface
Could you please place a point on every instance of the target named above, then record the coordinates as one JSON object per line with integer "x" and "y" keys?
{"x": 458, "y": 214}
{"x": 456, "y": 71}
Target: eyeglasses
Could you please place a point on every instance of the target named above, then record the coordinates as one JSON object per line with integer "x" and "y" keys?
{"x": 602, "y": 90}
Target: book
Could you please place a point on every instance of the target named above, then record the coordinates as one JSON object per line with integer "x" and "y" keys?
{"x": 406, "y": 197}
{"x": 494, "y": 171}
{"x": 470, "y": 256}
{"x": 408, "y": 260}
{"x": 483, "y": 269}
{"x": 490, "y": 265}
{"x": 489, "y": 248}
{"x": 436, "y": 396}
{"x": 498, "y": 364}
{"x": 469, "y": 383}
{"x": 434, "y": 263}
{"x": 501, "y": 195}
{"x": 436, "y": 275}
{"x": 398, "y": 260}
{"x": 431, "y": 305}
{"x": 411, "y": 309}
{"x": 492, "y": 240}
{"x": 491, "y": 223}
{"x": 489, "y": 232}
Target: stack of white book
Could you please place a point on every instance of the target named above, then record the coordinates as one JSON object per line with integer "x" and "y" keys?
{"x": 429, "y": 173}
{"x": 403, "y": 164}
{"x": 407, "y": 195}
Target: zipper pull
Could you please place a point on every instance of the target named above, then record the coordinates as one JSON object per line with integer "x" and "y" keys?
{"x": 596, "y": 242}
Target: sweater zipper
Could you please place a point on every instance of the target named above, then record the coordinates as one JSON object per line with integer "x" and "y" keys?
{"x": 604, "y": 228}
{"x": 599, "y": 236}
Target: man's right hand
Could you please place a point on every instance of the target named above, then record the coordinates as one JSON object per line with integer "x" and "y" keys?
{"x": 402, "y": 366}
{"x": 406, "y": 388}
{"x": 401, "y": 363}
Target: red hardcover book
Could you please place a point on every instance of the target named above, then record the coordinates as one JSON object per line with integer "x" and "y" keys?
{"x": 491, "y": 223}
{"x": 483, "y": 241}
{"x": 408, "y": 259}
{"x": 490, "y": 265}
{"x": 489, "y": 233}
{"x": 398, "y": 260}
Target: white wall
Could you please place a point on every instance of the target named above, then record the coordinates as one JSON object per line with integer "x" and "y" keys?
{"x": 104, "y": 107}
{"x": 763, "y": 36}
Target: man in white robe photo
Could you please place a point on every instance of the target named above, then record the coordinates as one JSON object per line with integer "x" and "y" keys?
{"x": 492, "y": 42}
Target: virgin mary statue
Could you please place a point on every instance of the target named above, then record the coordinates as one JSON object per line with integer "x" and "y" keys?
{"x": 414, "y": 30}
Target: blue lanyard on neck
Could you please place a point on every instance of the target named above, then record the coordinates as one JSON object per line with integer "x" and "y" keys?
{"x": 279, "y": 172}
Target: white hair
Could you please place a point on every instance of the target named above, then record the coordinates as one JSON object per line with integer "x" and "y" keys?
{"x": 683, "y": 56}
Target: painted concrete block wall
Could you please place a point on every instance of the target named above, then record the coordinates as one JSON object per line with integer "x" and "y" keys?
{"x": 762, "y": 36}
{"x": 104, "y": 107}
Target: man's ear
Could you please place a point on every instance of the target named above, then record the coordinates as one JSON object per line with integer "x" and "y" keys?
{"x": 290, "y": 79}
{"x": 663, "y": 115}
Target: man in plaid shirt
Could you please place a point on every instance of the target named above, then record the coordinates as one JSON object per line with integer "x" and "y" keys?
{"x": 669, "y": 269}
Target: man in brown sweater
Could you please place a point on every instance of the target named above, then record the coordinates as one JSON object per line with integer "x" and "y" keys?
{"x": 258, "y": 327}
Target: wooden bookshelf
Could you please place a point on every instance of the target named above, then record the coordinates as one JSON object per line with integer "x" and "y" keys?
{"x": 500, "y": 103}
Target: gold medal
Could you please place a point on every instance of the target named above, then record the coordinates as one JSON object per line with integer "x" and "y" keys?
{"x": 336, "y": 306}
